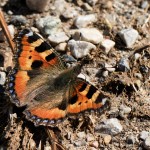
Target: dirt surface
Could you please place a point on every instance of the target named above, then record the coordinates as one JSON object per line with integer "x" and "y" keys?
{"x": 129, "y": 88}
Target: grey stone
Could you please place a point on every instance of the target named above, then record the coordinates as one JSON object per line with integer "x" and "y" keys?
{"x": 92, "y": 35}
{"x": 38, "y": 5}
{"x": 144, "y": 135}
{"x": 58, "y": 37}
{"x": 110, "y": 126}
{"x": 19, "y": 19}
{"x": 68, "y": 58}
{"x": 79, "y": 49}
{"x": 2, "y": 78}
{"x": 49, "y": 24}
{"x": 83, "y": 21}
{"x": 123, "y": 64}
{"x": 129, "y": 36}
{"x": 147, "y": 143}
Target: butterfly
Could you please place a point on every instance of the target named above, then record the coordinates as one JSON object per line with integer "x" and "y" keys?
{"x": 41, "y": 81}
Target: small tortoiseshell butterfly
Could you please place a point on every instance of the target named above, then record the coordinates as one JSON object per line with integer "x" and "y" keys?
{"x": 41, "y": 82}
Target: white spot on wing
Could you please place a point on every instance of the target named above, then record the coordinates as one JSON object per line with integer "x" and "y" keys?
{"x": 29, "y": 34}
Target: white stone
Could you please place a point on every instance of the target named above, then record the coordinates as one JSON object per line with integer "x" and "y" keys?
{"x": 58, "y": 37}
{"x": 49, "y": 24}
{"x": 79, "y": 49}
{"x": 147, "y": 143}
{"x": 11, "y": 30}
{"x": 92, "y": 35}
{"x": 83, "y": 21}
{"x": 60, "y": 6}
{"x": 61, "y": 47}
{"x": 109, "y": 67}
{"x": 107, "y": 45}
{"x": 110, "y": 126}
{"x": 124, "y": 110}
{"x": 129, "y": 36}
{"x": 144, "y": 135}
{"x": 2, "y": 78}
{"x": 69, "y": 13}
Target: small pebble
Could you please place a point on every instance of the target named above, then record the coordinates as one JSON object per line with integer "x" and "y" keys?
{"x": 144, "y": 4}
{"x": 92, "y": 35}
{"x": 81, "y": 135}
{"x": 90, "y": 138}
{"x": 79, "y": 143}
{"x": 137, "y": 56}
{"x": 109, "y": 67}
{"x": 130, "y": 139}
{"x": 11, "y": 30}
{"x": 79, "y": 49}
{"x": 124, "y": 110}
{"x": 147, "y": 143}
{"x": 2, "y": 78}
{"x": 68, "y": 58}
{"x": 18, "y": 20}
{"x": 94, "y": 144}
{"x": 143, "y": 19}
{"x": 48, "y": 25}
{"x": 60, "y": 6}
{"x": 123, "y": 65}
{"x": 129, "y": 36}
{"x": 107, "y": 45}
{"x": 84, "y": 21}
{"x": 70, "y": 13}
{"x": 61, "y": 47}
{"x": 37, "y": 5}
{"x": 144, "y": 135}
{"x": 58, "y": 37}
{"x": 107, "y": 139}
{"x": 110, "y": 126}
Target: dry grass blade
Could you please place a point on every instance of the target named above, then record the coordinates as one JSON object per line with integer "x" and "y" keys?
{"x": 54, "y": 141}
{"x": 6, "y": 31}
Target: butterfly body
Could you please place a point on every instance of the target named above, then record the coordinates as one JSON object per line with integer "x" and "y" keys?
{"x": 41, "y": 82}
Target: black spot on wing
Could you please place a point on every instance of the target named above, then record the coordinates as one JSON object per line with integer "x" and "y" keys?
{"x": 83, "y": 87}
{"x": 99, "y": 98}
{"x": 50, "y": 57}
{"x": 33, "y": 38}
{"x": 36, "y": 64}
{"x": 42, "y": 47}
{"x": 73, "y": 100}
{"x": 63, "y": 105}
{"x": 91, "y": 91}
